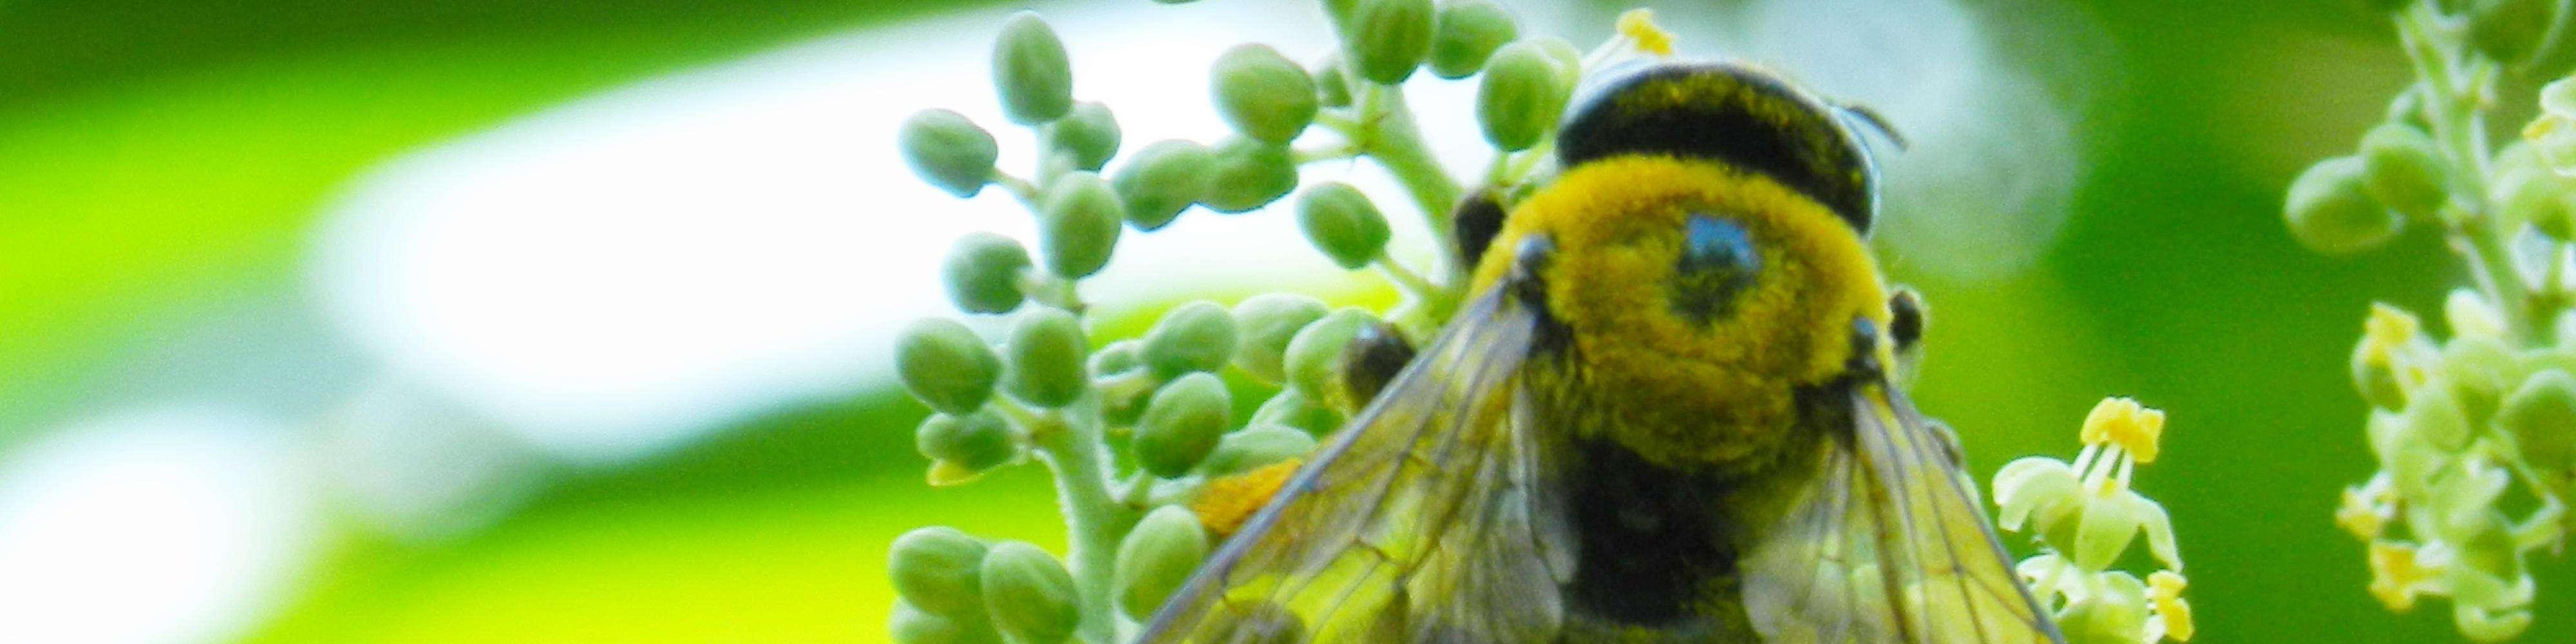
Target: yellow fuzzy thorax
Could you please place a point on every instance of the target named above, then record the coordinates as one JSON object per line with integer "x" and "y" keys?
{"x": 1715, "y": 395}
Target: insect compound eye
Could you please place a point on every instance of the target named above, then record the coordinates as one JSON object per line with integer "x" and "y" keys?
{"x": 1717, "y": 263}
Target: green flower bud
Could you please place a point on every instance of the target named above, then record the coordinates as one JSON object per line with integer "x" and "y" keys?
{"x": 1182, "y": 424}
{"x": 2539, "y": 197}
{"x": 2507, "y": 30}
{"x": 1161, "y": 180}
{"x": 1314, "y": 357}
{"x": 1249, "y": 174}
{"x": 937, "y": 569}
{"x": 949, "y": 151}
{"x": 1342, "y": 223}
{"x": 2481, "y": 371}
{"x": 1332, "y": 85}
{"x": 1296, "y": 409}
{"x": 945, "y": 365}
{"x": 1156, "y": 558}
{"x": 1088, "y": 135}
{"x": 1031, "y": 72}
{"x": 2436, "y": 417}
{"x": 1079, "y": 226}
{"x": 1256, "y": 446}
{"x": 1388, "y": 39}
{"x": 1265, "y": 323}
{"x": 1116, "y": 358}
{"x": 2329, "y": 213}
{"x": 974, "y": 442}
{"x": 1521, "y": 97}
{"x": 1198, "y": 336}
{"x": 2403, "y": 170}
{"x": 1029, "y": 594}
{"x": 1262, "y": 94}
{"x": 1569, "y": 58}
{"x": 983, "y": 273}
{"x": 2541, "y": 418}
{"x": 908, "y": 625}
{"x": 1469, "y": 31}
{"x": 2374, "y": 374}
{"x": 1045, "y": 359}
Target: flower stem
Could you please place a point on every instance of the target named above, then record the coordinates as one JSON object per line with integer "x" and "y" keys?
{"x": 1094, "y": 519}
{"x": 1390, "y": 137}
{"x": 2456, "y": 112}
{"x": 1027, "y": 192}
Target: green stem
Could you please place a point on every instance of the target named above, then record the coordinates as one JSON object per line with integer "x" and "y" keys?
{"x": 1391, "y": 138}
{"x": 1095, "y": 520}
{"x": 1404, "y": 278}
{"x": 1302, "y": 156}
{"x": 1432, "y": 302}
{"x": 1053, "y": 290}
{"x": 1027, "y": 192}
{"x": 2456, "y": 111}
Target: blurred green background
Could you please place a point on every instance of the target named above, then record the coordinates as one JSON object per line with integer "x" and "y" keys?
{"x": 164, "y": 168}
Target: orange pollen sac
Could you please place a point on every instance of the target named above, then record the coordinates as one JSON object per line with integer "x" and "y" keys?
{"x": 1228, "y": 501}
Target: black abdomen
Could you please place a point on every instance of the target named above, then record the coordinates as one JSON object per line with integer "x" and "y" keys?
{"x": 1657, "y": 551}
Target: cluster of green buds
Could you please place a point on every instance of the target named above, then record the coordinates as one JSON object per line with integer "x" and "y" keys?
{"x": 1150, "y": 460}
{"x": 2475, "y": 434}
{"x": 2083, "y": 516}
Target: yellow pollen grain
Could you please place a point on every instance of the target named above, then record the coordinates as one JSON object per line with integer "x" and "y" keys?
{"x": 1228, "y": 501}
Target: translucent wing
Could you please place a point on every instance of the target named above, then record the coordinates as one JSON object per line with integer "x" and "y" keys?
{"x": 1427, "y": 520}
{"x": 1892, "y": 546}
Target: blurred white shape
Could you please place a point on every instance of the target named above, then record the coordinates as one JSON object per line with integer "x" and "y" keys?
{"x": 420, "y": 467}
{"x": 1984, "y": 186}
{"x": 172, "y": 525}
{"x": 615, "y": 277}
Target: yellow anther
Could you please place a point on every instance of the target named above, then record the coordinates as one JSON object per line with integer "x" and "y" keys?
{"x": 2360, "y": 515}
{"x": 1639, "y": 25}
{"x": 2164, "y": 590}
{"x": 2121, "y": 421}
{"x": 2395, "y": 576}
{"x": 2390, "y": 327}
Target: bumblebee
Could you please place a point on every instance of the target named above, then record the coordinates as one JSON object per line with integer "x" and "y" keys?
{"x": 1666, "y": 414}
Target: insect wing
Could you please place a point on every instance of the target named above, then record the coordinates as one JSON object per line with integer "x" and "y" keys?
{"x": 1426, "y": 520}
{"x": 1890, "y": 546}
